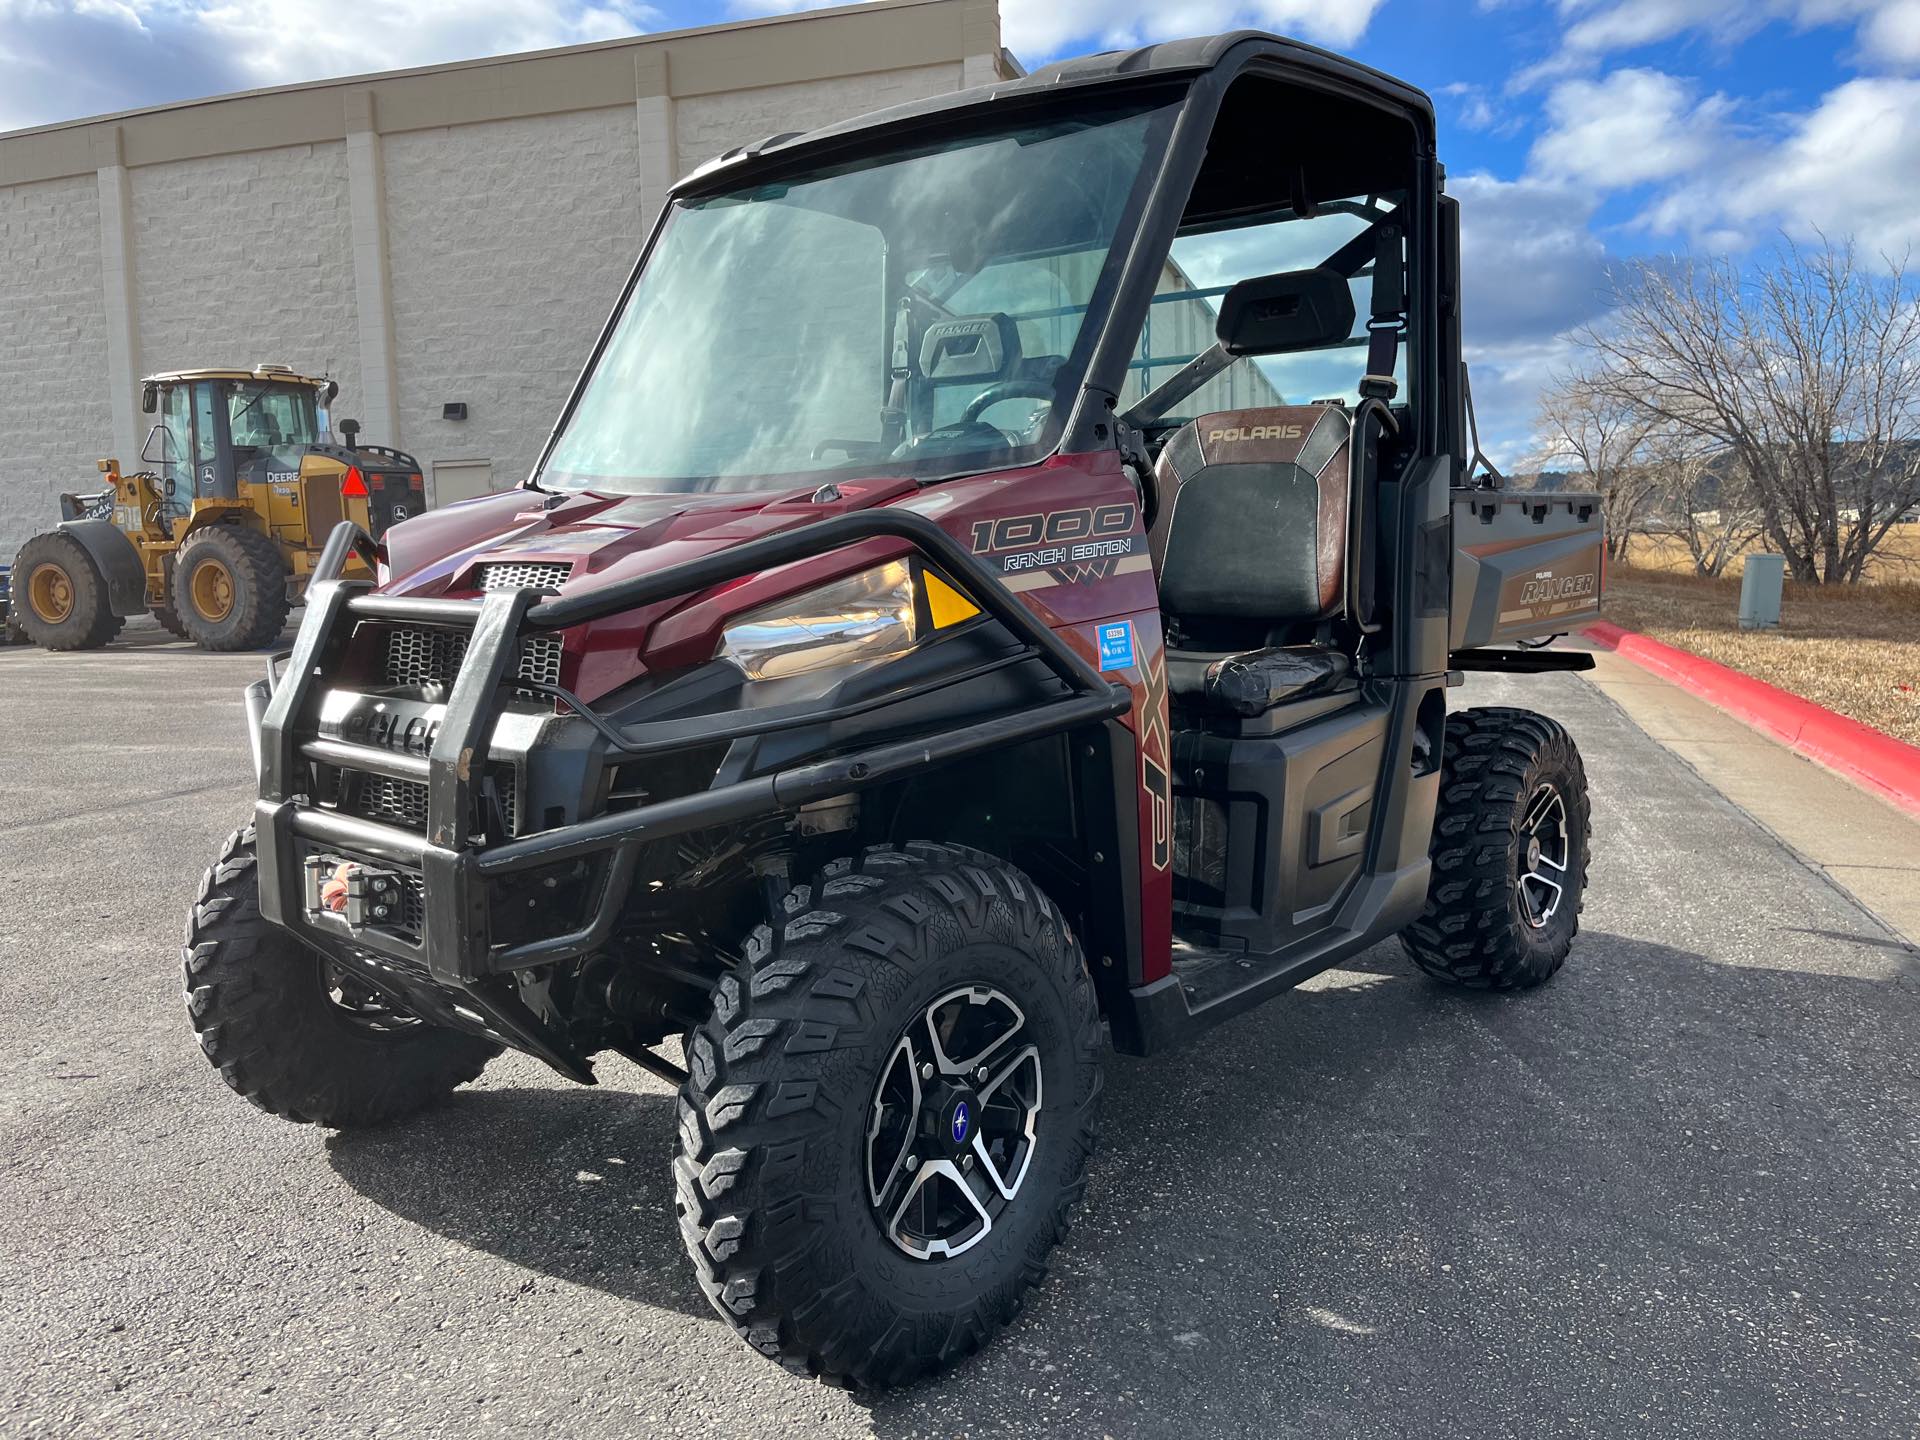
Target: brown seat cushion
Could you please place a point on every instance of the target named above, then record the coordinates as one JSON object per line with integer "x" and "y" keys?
{"x": 1253, "y": 514}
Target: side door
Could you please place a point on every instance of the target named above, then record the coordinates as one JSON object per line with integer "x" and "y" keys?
{"x": 212, "y": 452}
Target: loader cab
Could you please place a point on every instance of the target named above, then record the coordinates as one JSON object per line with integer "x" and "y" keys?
{"x": 216, "y": 430}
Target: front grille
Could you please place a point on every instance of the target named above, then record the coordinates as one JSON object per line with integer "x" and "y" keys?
{"x": 424, "y": 657}
{"x": 528, "y": 575}
{"x": 402, "y": 802}
{"x": 539, "y": 660}
{"x": 420, "y": 655}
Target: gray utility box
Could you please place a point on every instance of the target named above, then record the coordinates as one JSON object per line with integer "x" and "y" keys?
{"x": 1527, "y": 564}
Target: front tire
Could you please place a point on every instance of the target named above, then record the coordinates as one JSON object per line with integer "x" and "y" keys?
{"x": 59, "y": 598}
{"x": 230, "y": 588}
{"x": 797, "y": 1114}
{"x": 1510, "y": 848}
{"x": 293, "y": 1035}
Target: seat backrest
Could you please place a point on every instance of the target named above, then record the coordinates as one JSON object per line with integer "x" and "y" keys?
{"x": 1253, "y": 514}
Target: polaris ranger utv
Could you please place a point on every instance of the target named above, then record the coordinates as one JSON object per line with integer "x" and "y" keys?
{"x": 994, "y": 585}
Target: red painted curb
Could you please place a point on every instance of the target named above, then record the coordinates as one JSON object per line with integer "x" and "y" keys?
{"x": 1882, "y": 764}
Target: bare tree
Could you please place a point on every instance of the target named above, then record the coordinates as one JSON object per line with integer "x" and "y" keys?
{"x": 1805, "y": 369}
{"x": 1589, "y": 427}
{"x": 1705, "y": 500}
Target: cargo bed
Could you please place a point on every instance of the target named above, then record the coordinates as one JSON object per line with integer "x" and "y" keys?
{"x": 1526, "y": 565}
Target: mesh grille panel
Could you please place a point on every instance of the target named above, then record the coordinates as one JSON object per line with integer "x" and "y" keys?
{"x": 383, "y": 798}
{"x": 539, "y": 659}
{"x": 531, "y": 575}
{"x": 421, "y": 656}
{"x": 424, "y": 657}
{"x": 404, "y": 802}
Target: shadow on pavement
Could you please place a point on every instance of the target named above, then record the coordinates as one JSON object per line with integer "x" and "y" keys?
{"x": 573, "y": 1184}
{"x": 1479, "y": 1215}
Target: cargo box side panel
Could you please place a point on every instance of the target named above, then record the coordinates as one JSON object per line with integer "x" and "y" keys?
{"x": 1525, "y": 566}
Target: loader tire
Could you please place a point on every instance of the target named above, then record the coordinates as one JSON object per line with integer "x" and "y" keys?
{"x": 59, "y": 595}
{"x": 817, "y": 1186}
{"x": 230, "y": 588}
{"x": 1510, "y": 848}
{"x": 171, "y": 622}
{"x": 289, "y": 1032}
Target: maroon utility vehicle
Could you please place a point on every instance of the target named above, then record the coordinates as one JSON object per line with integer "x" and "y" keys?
{"x": 994, "y": 587}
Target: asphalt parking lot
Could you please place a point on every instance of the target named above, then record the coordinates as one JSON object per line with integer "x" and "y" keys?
{"x": 1676, "y": 1193}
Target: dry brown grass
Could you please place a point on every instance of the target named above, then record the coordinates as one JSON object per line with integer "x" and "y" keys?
{"x": 1854, "y": 649}
{"x": 1898, "y": 560}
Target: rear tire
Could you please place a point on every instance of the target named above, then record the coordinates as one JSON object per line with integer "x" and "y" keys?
{"x": 59, "y": 595}
{"x": 230, "y": 588}
{"x": 1510, "y": 849}
{"x": 270, "y": 1020}
{"x": 800, "y": 1061}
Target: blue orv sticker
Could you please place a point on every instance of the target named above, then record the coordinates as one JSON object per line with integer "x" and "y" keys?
{"x": 1115, "y": 640}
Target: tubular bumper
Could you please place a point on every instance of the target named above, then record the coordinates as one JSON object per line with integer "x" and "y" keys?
{"x": 455, "y": 950}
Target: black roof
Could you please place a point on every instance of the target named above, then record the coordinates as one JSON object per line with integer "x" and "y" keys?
{"x": 1170, "y": 59}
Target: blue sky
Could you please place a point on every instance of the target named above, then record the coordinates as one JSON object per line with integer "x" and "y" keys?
{"x": 1576, "y": 132}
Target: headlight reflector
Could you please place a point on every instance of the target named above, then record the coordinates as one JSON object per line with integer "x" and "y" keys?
{"x": 869, "y": 616}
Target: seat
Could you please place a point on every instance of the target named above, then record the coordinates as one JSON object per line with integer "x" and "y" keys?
{"x": 1253, "y": 510}
{"x": 1253, "y": 531}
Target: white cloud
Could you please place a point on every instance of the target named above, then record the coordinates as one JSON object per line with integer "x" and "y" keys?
{"x": 1597, "y": 29}
{"x": 1887, "y": 31}
{"x": 291, "y": 40}
{"x": 1473, "y": 110}
{"x": 1043, "y": 28}
{"x": 1893, "y": 33}
{"x": 61, "y": 61}
{"x": 1628, "y": 128}
{"x": 1533, "y": 270}
{"x": 1851, "y": 166}
{"x": 1039, "y": 30}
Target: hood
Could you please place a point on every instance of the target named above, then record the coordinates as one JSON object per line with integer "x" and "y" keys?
{"x": 596, "y": 540}
{"x": 600, "y": 539}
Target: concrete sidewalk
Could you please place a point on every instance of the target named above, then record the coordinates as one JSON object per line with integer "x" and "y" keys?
{"x": 1854, "y": 839}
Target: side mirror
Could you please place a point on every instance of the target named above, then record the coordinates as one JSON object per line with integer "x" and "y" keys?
{"x": 350, "y": 429}
{"x": 149, "y": 398}
{"x": 332, "y": 389}
{"x": 1295, "y": 310}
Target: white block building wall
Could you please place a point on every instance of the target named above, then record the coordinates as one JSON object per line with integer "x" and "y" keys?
{"x": 239, "y": 259}
{"x": 508, "y": 242}
{"x": 55, "y": 413}
{"x": 451, "y": 235}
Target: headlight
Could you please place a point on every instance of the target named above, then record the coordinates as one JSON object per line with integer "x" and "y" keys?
{"x": 869, "y": 616}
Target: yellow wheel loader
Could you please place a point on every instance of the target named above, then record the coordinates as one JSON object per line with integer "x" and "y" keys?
{"x": 218, "y": 538}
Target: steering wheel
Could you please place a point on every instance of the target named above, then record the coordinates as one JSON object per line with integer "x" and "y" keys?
{"x": 1005, "y": 390}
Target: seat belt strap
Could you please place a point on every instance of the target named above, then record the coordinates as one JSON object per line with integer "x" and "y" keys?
{"x": 1388, "y": 316}
{"x": 893, "y": 417}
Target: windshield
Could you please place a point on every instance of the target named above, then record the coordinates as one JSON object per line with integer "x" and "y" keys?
{"x": 922, "y": 311}
{"x": 271, "y": 425}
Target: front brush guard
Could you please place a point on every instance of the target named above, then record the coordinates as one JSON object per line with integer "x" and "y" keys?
{"x": 455, "y": 954}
